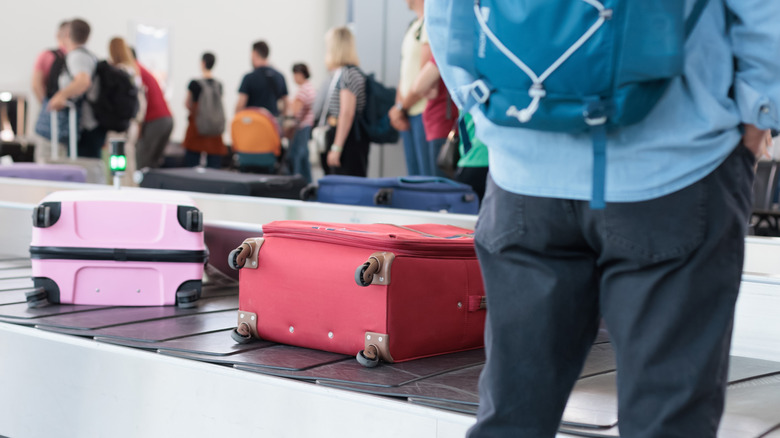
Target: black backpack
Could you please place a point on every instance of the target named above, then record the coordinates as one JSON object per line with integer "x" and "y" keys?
{"x": 117, "y": 101}
{"x": 57, "y": 67}
{"x": 374, "y": 119}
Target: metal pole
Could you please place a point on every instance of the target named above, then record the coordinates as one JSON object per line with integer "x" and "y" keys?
{"x": 55, "y": 136}
{"x": 73, "y": 133}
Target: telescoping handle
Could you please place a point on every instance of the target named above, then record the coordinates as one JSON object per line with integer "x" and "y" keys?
{"x": 72, "y": 133}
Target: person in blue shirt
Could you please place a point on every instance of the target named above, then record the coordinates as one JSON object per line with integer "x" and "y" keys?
{"x": 661, "y": 263}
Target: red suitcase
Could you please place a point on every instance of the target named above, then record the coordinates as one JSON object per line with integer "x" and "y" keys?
{"x": 377, "y": 291}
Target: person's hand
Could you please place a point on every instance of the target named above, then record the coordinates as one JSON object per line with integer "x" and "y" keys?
{"x": 401, "y": 124}
{"x": 398, "y": 119}
{"x": 334, "y": 158}
{"x": 757, "y": 140}
{"x": 57, "y": 102}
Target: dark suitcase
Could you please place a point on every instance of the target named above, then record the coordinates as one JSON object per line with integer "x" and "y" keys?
{"x": 412, "y": 192}
{"x": 20, "y": 152}
{"x": 206, "y": 180}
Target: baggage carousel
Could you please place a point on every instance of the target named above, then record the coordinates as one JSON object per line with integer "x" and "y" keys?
{"x": 86, "y": 371}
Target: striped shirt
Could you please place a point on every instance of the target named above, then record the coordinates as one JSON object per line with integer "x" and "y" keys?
{"x": 353, "y": 80}
{"x": 306, "y": 94}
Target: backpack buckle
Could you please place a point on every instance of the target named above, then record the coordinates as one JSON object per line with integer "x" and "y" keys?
{"x": 480, "y": 91}
{"x": 596, "y": 114}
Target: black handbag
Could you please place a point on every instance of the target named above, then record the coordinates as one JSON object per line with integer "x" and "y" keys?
{"x": 449, "y": 154}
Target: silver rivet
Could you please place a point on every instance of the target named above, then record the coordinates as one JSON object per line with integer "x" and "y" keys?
{"x": 292, "y": 329}
{"x": 252, "y": 317}
{"x": 368, "y": 337}
{"x": 241, "y": 315}
{"x": 138, "y": 291}
{"x": 254, "y": 263}
{"x": 460, "y": 305}
{"x": 381, "y": 278}
{"x": 380, "y": 339}
{"x": 330, "y": 335}
{"x": 97, "y": 291}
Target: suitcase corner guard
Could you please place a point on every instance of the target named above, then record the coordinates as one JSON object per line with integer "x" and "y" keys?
{"x": 376, "y": 347}
{"x": 46, "y": 214}
{"x": 245, "y": 256}
{"x": 376, "y": 270}
{"x": 247, "y": 324}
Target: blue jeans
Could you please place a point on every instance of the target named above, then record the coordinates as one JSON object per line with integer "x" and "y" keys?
{"x": 434, "y": 146}
{"x": 298, "y": 155}
{"x": 416, "y": 147}
{"x": 192, "y": 159}
{"x": 664, "y": 274}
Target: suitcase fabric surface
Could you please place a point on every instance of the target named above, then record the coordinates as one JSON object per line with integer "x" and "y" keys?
{"x": 412, "y": 192}
{"x": 225, "y": 182}
{"x": 117, "y": 247}
{"x": 396, "y": 292}
{"x": 48, "y": 172}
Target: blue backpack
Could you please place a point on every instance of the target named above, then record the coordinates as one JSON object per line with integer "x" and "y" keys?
{"x": 374, "y": 119}
{"x": 573, "y": 66}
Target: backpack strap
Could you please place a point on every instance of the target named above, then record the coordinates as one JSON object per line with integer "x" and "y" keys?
{"x": 331, "y": 89}
{"x": 694, "y": 16}
{"x": 597, "y": 117}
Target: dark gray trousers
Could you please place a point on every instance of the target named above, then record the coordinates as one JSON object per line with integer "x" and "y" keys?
{"x": 152, "y": 140}
{"x": 664, "y": 274}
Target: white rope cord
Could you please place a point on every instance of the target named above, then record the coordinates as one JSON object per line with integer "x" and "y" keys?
{"x": 501, "y": 47}
{"x": 537, "y": 91}
{"x": 583, "y": 39}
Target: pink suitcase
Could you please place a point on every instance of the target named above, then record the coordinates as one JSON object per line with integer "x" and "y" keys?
{"x": 117, "y": 248}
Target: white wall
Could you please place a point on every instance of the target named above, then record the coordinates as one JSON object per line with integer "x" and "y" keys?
{"x": 294, "y": 29}
{"x": 379, "y": 28}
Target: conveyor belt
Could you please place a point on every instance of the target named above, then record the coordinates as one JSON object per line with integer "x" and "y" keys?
{"x": 447, "y": 382}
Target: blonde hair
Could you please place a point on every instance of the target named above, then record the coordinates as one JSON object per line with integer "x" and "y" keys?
{"x": 119, "y": 54}
{"x": 340, "y": 48}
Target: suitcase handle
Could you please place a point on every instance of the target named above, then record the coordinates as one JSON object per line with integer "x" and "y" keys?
{"x": 477, "y": 303}
{"x": 72, "y": 133}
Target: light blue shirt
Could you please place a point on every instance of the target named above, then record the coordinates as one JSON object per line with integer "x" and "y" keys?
{"x": 688, "y": 134}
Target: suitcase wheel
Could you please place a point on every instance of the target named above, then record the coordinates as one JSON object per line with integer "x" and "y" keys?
{"x": 364, "y": 274}
{"x": 37, "y": 298}
{"x": 187, "y": 299}
{"x": 240, "y": 338}
{"x": 309, "y": 193}
{"x": 359, "y": 279}
{"x": 235, "y": 261}
{"x": 383, "y": 197}
{"x": 366, "y": 361}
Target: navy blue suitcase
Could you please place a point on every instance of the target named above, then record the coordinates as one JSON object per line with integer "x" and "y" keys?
{"x": 411, "y": 192}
